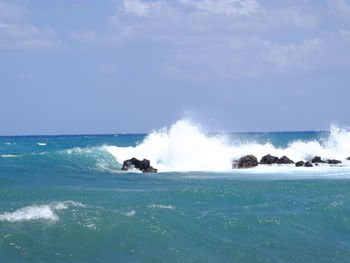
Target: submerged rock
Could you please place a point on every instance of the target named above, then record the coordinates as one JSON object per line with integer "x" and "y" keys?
{"x": 247, "y": 161}
{"x": 269, "y": 159}
{"x": 317, "y": 159}
{"x": 144, "y": 165}
{"x": 334, "y": 161}
{"x": 308, "y": 164}
{"x": 299, "y": 164}
{"x": 284, "y": 160}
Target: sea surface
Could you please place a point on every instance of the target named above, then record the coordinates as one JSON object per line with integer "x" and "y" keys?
{"x": 65, "y": 198}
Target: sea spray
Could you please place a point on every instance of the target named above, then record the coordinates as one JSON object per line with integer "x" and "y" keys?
{"x": 182, "y": 147}
{"x": 186, "y": 147}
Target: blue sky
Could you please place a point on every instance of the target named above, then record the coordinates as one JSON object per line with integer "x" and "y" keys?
{"x": 109, "y": 66}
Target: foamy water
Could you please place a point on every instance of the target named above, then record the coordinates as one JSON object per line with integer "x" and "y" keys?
{"x": 159, "y": 206}
{"x": 36, "y": 212}
{"x": 9, "y": 155}
{"x": 187, "y": 147}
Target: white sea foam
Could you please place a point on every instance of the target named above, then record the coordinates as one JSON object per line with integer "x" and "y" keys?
{"x": 186, "y": 147}
{"x": 130, "y": 213}
{"x": 158, "y": 206}
{"x": 36, "y": 212}
{"x": 42, "y": 143}
{"x": 9, "y": 155}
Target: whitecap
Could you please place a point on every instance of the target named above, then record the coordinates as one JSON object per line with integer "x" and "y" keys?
{"x": 42, "y": 143}
{"x": 9, "y": 155}
{"x": 130, "y": 213}
{"x": 37, "y": 212}
{"x": 158, "y": 206}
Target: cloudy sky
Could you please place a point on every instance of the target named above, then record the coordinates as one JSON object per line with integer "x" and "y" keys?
{"x": 109, "y": 66}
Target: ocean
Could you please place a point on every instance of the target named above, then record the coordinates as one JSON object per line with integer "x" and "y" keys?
{"x": 65, "y": 198}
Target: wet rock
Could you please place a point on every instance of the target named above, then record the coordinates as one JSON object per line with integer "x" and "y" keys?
{"x": 308, "y": 164}
{"x": 284, "y": 160}
{"x": 317, "y": 159}
{"x": 334, "y": 161}
{"x": 247, "y": 161}
{"x": 269, "y": 159}
{"x": 348, "y": 158}
{"x": 299, "y": 164}
{"x": 144, "y": 165}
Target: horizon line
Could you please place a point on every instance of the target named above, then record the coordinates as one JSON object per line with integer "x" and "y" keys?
{"x": 132, "y": 133}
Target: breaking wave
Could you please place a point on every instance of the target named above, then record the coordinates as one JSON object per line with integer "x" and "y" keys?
{"x": 185, "y": 146}
{"x": 38, "y": 212}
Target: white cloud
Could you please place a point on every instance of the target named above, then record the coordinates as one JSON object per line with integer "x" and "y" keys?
{"x": 297, "y": 56}
{"x": 140, "y": 8}
{"x": 15, "y": 33}
{"x": 23, "y": 36}
{"x": 12, "y": 12}
{"x": 224, "y": 7}
{"x": 226, "y": 38}
{"x": 344, "y": 35}
{"x": 339, "y": 8}
{"x": 92, "y": 37}
{"x": 291, "y": 17}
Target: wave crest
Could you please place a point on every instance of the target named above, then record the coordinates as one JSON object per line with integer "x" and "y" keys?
{"x": 185, "y": 146}
{"x": 37, "y": 212}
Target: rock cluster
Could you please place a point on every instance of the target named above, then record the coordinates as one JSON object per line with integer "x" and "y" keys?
{"x": 144, "y": 165}
{"x": 249, "y": 161}
{"x": 269, "y": 159}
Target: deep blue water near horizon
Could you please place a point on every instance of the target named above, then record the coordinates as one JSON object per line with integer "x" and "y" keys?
{"x": 64, "y": 199}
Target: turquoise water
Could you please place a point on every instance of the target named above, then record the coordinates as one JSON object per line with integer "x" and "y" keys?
{"x": 64, "y": 199}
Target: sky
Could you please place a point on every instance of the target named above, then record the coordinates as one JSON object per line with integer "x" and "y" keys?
{"x": 114, "y": 66}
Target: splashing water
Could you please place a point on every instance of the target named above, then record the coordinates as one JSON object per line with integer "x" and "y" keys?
{"x": 187, "y": 147}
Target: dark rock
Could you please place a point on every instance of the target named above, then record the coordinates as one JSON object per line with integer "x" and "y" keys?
{"x": 334, "y": 161}
{"x": 348, "y": 158}
{"x": 247, "y": 161}
{"x": 144, "y": 165}
{"x": 308, "y": 164}
{"x": 317, "y": 159}
{"x": 284, "y": 160}
{"x": 299, "y": 164}
{"x": 268, "y": 159}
